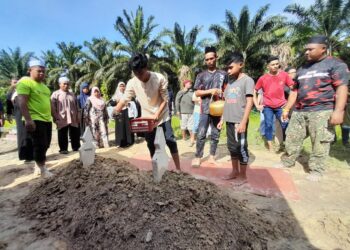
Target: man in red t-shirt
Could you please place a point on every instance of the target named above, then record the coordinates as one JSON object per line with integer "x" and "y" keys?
{"x": 272, "y": 85}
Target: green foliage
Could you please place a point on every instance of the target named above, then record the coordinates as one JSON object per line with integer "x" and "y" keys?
{"x": 250, "y": 36}
{"x": 3, "y": 91}
{"x": 137, "y": 33}
{"x": 13, "y": 64}
{"x": 104, "y": 63}
{"x": 326, "y": 17}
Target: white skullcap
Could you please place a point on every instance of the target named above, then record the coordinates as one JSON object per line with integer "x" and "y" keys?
{"x": 63, "y": 79}
{"x": 36, "y": 62}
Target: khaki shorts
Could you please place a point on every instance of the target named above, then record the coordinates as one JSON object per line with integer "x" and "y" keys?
{"x": 187, "y": 122}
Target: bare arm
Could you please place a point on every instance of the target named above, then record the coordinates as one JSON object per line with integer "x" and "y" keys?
{"x": 243, "y": 125}
{"x": 200, "y": 93}
{"x": 120, "y": 105}
{"x": 160, "y": 110}
{"x": 54, "y": 111}
{"x": 257, "y": 100}
{"x": 340, "y": 102}
{"x": 23, "y": 105}
{"x": 291, "y": 100}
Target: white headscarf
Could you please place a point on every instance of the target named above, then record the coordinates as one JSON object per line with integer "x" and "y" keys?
{"x": 118, "y": 94}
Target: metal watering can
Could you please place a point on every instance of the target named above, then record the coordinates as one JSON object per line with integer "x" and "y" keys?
{"x": 216, "y": 108}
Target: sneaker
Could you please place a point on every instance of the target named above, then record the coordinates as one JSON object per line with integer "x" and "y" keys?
{"x": 37, "y": 170}
{"x": 64, "y": 152}
{"x": 196, "y": 162}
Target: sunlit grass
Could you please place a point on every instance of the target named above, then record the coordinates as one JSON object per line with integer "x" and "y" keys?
{"x": 338, "y": 154}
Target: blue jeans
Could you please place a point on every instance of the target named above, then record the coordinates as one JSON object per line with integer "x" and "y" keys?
{"x": 196, "y": 117}
{"x": 262, "y": 124}
{"x": 204, "y": 121}
{"x": 345, "y": 135}
{"x": 269, "y": 114}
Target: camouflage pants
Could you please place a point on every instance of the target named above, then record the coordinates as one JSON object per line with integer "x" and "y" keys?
{"x": 314, "y": 124}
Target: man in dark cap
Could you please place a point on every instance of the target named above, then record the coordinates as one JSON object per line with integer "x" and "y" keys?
{"x": 210, "y": 82}
{"x": 320, "y": 98}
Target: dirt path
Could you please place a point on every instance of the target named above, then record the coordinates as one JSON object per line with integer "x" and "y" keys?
{"x": 320, "y": 218}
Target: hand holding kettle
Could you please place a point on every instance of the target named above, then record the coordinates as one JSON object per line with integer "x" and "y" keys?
{"x": 216, "y": 91}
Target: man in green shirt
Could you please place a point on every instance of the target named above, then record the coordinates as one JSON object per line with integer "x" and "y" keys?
{"x": 34, "y": 102}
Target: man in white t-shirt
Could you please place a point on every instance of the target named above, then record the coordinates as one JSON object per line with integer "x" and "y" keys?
{"x": 150, "y": 88}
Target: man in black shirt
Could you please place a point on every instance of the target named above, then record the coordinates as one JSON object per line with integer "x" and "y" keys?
{"x": 320, "y": 97}
{"x": 210, "y": 82}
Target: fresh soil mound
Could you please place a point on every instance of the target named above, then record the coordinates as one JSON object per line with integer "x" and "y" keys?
{"x": 111, "y": 205}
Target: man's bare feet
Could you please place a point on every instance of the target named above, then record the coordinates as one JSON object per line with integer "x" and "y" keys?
{"x": 270, "y": 146}
{"x": 239, "y": 181}
{"x": 231, "y": 176}
{"x": 196, "y": 162}
{"x": 176, "y": 170}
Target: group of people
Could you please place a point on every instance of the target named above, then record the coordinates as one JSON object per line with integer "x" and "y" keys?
{"x": 308, "y": 102}
{"x": 34, "y": 108}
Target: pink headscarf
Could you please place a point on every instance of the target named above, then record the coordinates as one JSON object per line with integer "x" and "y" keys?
{"x": 97, "y": 103}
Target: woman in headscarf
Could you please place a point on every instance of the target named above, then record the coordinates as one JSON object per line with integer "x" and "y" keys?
{"x": 82, "y": 98}
{"x": 123, "y": 135}
{"x": 96, "y": 117}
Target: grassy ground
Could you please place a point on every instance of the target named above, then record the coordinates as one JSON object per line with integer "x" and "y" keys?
{"x": 339, "y": 156}
{"x": 254, "y": 137}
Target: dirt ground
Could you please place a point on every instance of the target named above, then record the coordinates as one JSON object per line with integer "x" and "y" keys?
{"x": 58, "y": 214}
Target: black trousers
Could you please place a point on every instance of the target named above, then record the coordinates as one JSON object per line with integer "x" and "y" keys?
{"x": 41, "y": 140}
{"x": 123, "y": 135}
{"x": 169, "y": 138}
{"x": 74, "y": 135}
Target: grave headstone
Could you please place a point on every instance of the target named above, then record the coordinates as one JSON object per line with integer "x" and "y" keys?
{"x": 87, "y": 149}
{"x": 160, "y": 160}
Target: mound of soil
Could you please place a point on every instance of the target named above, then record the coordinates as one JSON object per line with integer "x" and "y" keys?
{"x": 111, "y": 205}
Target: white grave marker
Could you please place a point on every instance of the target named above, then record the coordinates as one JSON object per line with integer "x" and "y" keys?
{"x": 160, "y": 160}
{"x": 87, "y": 149}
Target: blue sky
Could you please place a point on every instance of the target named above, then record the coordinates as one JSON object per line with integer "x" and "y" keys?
{"x": 36, "y": 25}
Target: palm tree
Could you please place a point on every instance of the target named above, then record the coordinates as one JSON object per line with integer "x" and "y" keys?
{"x": 54, "y": 67}
{"x": 252, "y": 37}
{"x": 102, "y": 65}
{"x": 71, "y": 60}
{"x": 137, "y": 33}
{"x": 67, "y": 62}
{"x": 13, "y": 63}
{"x": 326, "y": 17}
{"x": 183, "y": 50}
